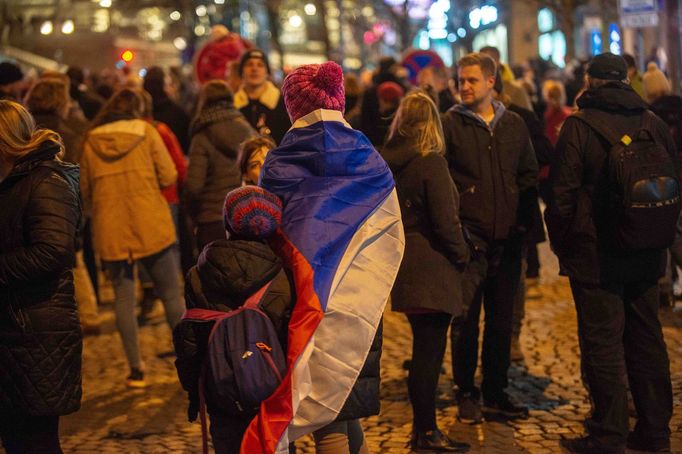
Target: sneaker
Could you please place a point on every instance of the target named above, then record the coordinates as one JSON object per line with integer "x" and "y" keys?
{"x": 637, "y": 443}
{"x": 136, "y": 379}
{"x": 504, "y": 407}
{"x": 516, "y": 353}
{"x": 436, "y": 441}
{"x": 588, "y": 445}
{"x": 469, "y": 408}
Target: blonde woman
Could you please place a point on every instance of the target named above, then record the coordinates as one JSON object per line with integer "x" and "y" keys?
{"x": 124, "y": 166}
{"x": 40, "y": 336}
{"x": 435, "y": 251}
{"x": 557, "y": 111}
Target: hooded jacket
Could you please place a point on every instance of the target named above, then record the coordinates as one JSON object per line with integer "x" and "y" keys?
{"x": 435, "y": 250}
{"x": 40, "y": 335}
{"x": 495, "y": 170}
{"x": 123, "y": 168}
{"x": 578, "y": 198}
{"x": 213, "y": 168}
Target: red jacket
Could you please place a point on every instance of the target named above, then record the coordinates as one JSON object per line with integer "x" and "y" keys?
{"x": 175, "y": 151}
{"x": 554, "y": 120}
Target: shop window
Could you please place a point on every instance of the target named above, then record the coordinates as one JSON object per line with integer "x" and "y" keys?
{"x": 552, "y": 42}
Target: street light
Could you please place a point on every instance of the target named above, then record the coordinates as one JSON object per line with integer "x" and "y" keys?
{"x": 105, "y": 3}
{"x": 46, "y": 28}
{"x": 295, "y": 21}
{"x": 67, "y": 27}
{"x": 180, "y": 43}
{"x": 175, "y": 15}
{"x": 310, "y": 9}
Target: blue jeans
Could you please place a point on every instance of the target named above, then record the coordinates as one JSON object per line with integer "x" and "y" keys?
{"x": 164, "y": 270}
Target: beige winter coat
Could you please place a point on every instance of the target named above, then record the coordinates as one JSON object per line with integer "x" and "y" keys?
{"x": 123, "y": 167}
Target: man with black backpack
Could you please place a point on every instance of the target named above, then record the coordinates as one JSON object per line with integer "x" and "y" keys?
{"x": 613, "y": 209}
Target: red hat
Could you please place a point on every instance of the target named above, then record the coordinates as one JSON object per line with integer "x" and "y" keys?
{"x": 312, "y": 87}
{"x": 390, "y": 92}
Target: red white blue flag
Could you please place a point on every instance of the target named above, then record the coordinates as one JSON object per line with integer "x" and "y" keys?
{"x": 342, "y": 236}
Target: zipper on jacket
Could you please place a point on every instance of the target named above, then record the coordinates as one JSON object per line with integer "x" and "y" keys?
{"x": 490, "y": 149}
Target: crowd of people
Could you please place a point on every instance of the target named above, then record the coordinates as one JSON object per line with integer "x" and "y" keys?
{"x": 146, "y": 181}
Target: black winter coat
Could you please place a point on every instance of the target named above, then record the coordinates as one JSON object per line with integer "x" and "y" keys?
{"x": 494, "y": 169}
{"x": 435, "y": 250}
{"x": 579, "y": 193}
{"x": 543, "y": 154}
{"x": 168, "y": 112}
{"x": 226, "y": 274}
{"x": 40, "y": 334}
{"x": 213, "y": 169}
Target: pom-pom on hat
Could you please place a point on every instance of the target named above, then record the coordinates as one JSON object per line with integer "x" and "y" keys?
{"x": 312, "y": 87}
{"x": 251, "y": 212}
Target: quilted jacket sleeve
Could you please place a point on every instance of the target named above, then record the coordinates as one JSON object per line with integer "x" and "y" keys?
{"x": 51, "y": 220}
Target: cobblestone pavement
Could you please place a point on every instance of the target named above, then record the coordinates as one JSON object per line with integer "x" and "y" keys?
{"x": 114, "y": 419}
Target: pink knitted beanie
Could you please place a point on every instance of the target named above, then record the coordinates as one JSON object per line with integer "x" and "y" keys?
{"x": 312, "y": 87}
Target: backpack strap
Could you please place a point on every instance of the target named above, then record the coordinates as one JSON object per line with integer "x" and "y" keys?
{"x": 593, "y": 120}
{"x": 254, "y": 300}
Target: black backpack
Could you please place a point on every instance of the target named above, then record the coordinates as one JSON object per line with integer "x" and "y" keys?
{"x": 644, "y": 201}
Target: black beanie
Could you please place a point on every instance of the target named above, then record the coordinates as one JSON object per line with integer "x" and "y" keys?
{"x": 253, "y": 53}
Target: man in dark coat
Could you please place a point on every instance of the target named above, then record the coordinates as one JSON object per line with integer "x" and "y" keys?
{"x": 492, "y": 161}
{"x": 165, "y": 109}
{"x": 259, "y": 100}
{"x": 615, "y": 291}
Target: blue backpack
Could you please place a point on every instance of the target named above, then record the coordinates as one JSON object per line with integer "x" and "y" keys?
{"x": 244, "y": 360}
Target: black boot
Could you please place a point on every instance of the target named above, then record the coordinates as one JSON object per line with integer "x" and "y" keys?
{"x": 436, "y": 441}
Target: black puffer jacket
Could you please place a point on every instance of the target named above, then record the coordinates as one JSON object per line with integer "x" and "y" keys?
{"x": 226, "y": 274}
{"x": 40, "y": 335}
{"x": 576, "y": 211}
{"x": 213, "y": 171}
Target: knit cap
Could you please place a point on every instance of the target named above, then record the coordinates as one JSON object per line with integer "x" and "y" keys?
{"x": 253, "y": 54}
{"x": 390, "y": 92}
{"x": 251, "y": 212}
{"x": 655, "y": 83}
{"x": 312, "y": 87}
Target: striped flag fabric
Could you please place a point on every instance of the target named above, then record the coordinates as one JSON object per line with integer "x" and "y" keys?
{"x": 342, "y": 237}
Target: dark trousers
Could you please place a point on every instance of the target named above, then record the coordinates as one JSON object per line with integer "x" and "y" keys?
{"x": 491, "y": 281}
{"x": 30, "y": 434}
{"x": 620, "y": 336}
{"x": 533, "y": 270}
{"x": 429, "y": 339}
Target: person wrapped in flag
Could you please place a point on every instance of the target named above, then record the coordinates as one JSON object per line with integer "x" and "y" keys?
{"x": 341, "y": 236}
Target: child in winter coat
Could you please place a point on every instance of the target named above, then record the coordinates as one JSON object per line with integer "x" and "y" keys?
{"x": 227, "y": 273}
